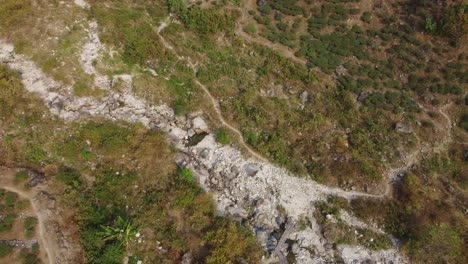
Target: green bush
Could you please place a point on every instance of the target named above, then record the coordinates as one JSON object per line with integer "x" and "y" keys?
{"x": 13, "y": 12}
{"x": 35, "y": 153}
{"x": 81, "y": 89}
{"x": 209, "y": 20}
{"x": 29, "y": 226}
{"x": 10, "y": 199}
{"x": 21, "y": 176}
{"x": 186, "y": 175}
{"x": 223, "y": 137}
{"x": 441, "y": 244}
{"x": 464, "y": 121}
{"x": 69, "y": 176}
{"x": 230, "y": 244}
{"x": 250, "y": 28}
{"x": 429, "y": 25}
{"x": 28, "y": 257}
{"x": 5, "y": 250}
{"x": 366, "y": 17}
{"x": 455, "y": 22}
{"x": 7, "y": 222}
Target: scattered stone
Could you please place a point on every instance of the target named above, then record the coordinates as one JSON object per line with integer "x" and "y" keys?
{"x": 251, "y": 169}
{"x": 271, "y": 243}
{"x": 19, "y": 243}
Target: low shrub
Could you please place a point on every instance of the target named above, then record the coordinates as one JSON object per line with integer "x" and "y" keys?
{"x": 223, "y": 137}
{"x": 29, "y": 226}
{"x": 5, "y": 250}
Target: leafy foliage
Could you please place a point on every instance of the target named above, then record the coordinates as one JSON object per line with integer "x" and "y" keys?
{"x": 222, "y": 136}
{"x": 5, "y": 250}
{"x": 123, "y": 230}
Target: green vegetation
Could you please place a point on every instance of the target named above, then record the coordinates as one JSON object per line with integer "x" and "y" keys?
{"x": 109, "y": 173}
{"x": 338, "y": 232}
{"x": 29, "y": 226}
{"x": 426, "y": 214}
{"x": 440, "y": 243}
{"x": 13, "y": 12}
{"x": 464, "y": 121}
{"x": 455, "y": 22}
{"x": 29, "y": 256}
{"x": 130, "y": 29}
{"x": 123, "y": 231}
{"x": 134, "y": 177}
{"x": 203, "y": 20}
{"x": 21, "y": 176}
{"x": 250, "y": 28}
{"x": 7, "y": 222}
{"x": 82, "y": 89}
{"x": 223, "y": 137}
{"x": 5, "y": 250}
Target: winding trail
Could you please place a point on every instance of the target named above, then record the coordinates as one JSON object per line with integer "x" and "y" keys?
{"x": 214, "y": 102}
{"x": 239, "y": 135}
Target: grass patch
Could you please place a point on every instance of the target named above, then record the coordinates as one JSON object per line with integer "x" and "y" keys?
{"x": 29, "y": 226}
{"x": 21, "y": 176}
{"x": 5, "y": 250}
{"x": 223, "y": 137}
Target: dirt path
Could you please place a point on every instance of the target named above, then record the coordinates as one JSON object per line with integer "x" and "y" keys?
{"x": 6, "y": 182}
{"x": 234, "y": 130}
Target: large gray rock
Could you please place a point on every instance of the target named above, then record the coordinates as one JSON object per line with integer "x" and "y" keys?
{"x": 304, "y": 97}
{"x": 238, "y": 212}
{"x": 363, "y": 96}
{"x": 271, "y": 243}
{"x": 251, "y": 169}
{"x": 205, "y": 153}
{"x": 199, "y": 125}
{"x": 187, "y": 258}
{"x": 178, "y": 133}
{"x": 403, "y": 128}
